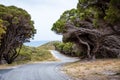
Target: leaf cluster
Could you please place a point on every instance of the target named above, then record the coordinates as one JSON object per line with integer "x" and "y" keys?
{"x": 18, "y": 28}
{"x": 90, "y": 11}
{"x": 66, "y": 48}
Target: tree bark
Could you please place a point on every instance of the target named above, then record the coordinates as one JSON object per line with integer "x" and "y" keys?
{"x": 98, "y": 43}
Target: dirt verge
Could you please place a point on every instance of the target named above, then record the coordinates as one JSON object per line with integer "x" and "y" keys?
{"x": 102, "y": 69}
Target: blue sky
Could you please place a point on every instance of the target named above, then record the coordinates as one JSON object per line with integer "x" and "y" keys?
{"x": 44, "y": 13}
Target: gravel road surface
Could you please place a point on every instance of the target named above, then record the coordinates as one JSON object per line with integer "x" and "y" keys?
{"x": 39, "y": 71}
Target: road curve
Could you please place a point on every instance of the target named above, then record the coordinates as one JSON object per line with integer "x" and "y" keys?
{"x": 39, "y": 71}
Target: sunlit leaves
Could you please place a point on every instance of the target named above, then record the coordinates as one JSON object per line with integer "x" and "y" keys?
{"x": 67, "y": 16}
{"x": 96, "y": 10}
{"x": 2, "y": 28}
{"x": 101, "y": 16}
{"x": 113, "y": 12}
{"x": 68, "y": 47}
{"x": 58, "y": 27}
{"x": 19, "y": 29}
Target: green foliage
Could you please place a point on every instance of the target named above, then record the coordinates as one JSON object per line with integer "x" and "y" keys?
{"x": 66, "y": 48}
{"x": 90, "y": 14}
{"x": 18, "y": 27}
{"x": 25, "y": 53}
{"x": 67, "y": 16}
{"x": 17, "y": 17}
{"x": 108, "y": 10}
{"x": 113, "y": 12}
{"x": 40, "y": 53}
{"x": 60, "y": 46}
{"x": 2, "y": 29}
{"x": 95, "y": 10}
{"x": 59, "y": 26}
{"x": 15, "y": 20}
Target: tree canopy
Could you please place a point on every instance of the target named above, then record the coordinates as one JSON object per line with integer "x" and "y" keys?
{"x": 2, "y": 29}
{"x": 94, "y": 25}
{"x": 18, "y": 28}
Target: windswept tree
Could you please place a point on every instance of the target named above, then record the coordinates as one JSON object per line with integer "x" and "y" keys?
{"x": 19, "y": 29}
{"x": 94, "y": 27}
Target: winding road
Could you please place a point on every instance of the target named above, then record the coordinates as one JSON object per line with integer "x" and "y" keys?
{"x": 39, "y": 71}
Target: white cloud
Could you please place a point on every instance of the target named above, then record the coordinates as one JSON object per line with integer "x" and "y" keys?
{"x": 44, "y": 13}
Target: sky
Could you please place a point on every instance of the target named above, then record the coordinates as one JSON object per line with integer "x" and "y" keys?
{"x": 44, "y": 13}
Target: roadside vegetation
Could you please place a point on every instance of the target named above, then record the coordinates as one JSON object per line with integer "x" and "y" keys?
{"x": 33, "y": 54}
{"x": 101, "y": 69}
{"x": 91, "y": 31}
{"x": 93, "y": 26}
{"x": 69, "y": 49}
{"x": 36, "y": 54}
{"x": 16, "y": 28}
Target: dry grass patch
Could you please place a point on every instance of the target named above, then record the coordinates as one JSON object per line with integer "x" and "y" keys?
{"x": 5, "y": 66}
{"x": 104, "y": 69}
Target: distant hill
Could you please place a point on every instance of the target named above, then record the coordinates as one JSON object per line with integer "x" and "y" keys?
{"x": 48, "y": 46}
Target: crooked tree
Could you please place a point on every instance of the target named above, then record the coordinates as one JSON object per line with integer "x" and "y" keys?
{"x": 94, "y": 25}
{"x": 19, "y": 29}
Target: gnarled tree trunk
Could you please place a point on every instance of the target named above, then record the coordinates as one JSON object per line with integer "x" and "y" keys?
{"x": 98, "y": 43}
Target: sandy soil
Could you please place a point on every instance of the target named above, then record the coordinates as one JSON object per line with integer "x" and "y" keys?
{"x": 104, "y": 69}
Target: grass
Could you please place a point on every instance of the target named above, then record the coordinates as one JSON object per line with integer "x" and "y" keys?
{"x": 102, "y": 69}
{"x": 33, "y": 54}
{"x": 42, "y": 56}
{"x": 43, "y": 53}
